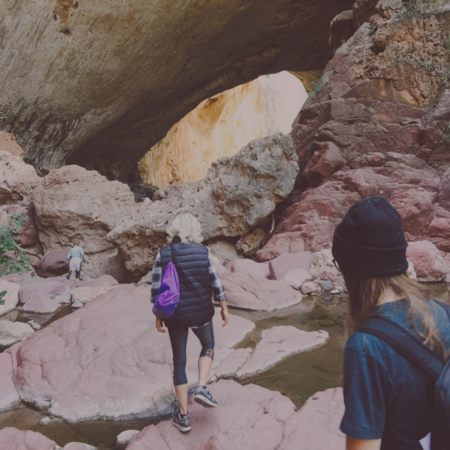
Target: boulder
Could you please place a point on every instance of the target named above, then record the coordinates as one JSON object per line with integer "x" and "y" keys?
{"x": 280, "y": 244}
{"x": 75, "y": 205}
{"x": 147, "y": 279}
{"x": 118, "y": 367}
{"x": 8, "y": 394}
{"x": 9, "y": 144}
{"x": 251, "y": 267}
{"x": 219, "y": 267}
{"x": 78, "y": 446}
{"x": 17, "y": 180}
{"x": 14, "y": 439}
{"x": 12, "y": 332}
{"x": 237, "y": 194}
{"x": 277, "y": 344}
{"x": 249, "y": 291}
{"x": 126, "y": 436}
{"x": 86, "y": 294}
{"x": 295, "y": 278}
{"x": 254, "y": 417}
{"x": 224, "y": 251}
{"x": 427, "y": 260}
{"x": 252, "y": 242}
{"x": 309, "y": 288}
{"x": 376, "y": 125}
{"x": 328, "y": 274}
{"x": 54, "y": 263}
{"x": 322, "y": 259}
{"x": 44, "y": 296}
{"x": 280, "y": 266}
{"x": 9, "y": 300}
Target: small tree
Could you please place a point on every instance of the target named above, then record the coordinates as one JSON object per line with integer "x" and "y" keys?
{"x": 12, "y": 258}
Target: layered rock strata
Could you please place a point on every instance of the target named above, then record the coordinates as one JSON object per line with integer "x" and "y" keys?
{"x": 377, "y": 124}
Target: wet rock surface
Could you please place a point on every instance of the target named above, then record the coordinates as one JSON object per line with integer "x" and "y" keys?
{"x": 253, "y": 417}
{"x": 71, "y": 380}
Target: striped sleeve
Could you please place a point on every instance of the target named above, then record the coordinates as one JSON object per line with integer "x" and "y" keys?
{"x": 156, "y": 278}
{"x": 217, "y": 286}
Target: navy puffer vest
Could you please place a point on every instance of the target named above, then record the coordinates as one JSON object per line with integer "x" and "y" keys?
{"x": 192, "y": 263}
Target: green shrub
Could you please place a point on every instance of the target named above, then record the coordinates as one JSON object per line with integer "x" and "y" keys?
{"x": 20, "y": 262}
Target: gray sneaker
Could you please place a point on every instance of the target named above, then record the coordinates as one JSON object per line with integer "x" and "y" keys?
{"x": 204, "y": 397}
{"x": 182, "y": 423}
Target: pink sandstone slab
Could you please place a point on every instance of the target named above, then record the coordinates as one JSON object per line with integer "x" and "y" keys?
{"x": 427, "y": 260}
{"x": 250, "y": 266}
{"x": 295, "y": 278}
{"x": 8, "y": 394}
{"x": 278, "y": 343}
{"x": 280, "y": 266}
{"x": 43, "y": 296}
{"x": 252, "y": 418}
{"x": 249, "y": 291}
{"x": 107, "y": 360}
{"x": 14, "y": 439}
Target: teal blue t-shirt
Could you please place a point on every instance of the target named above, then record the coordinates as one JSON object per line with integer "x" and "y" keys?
{"x": 76, "y": 252}
{"x": 387, "y": 397}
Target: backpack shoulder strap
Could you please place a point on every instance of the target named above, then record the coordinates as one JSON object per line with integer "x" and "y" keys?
{"x": 404, "y": 343}
{"x": 171, "y": 255}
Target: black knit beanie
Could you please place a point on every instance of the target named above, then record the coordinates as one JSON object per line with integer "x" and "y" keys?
{"x": 370, "y": 239}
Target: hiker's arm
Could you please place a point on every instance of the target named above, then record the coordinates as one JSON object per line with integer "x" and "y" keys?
{"x": 156, "y": 278}
{"x": 362, "y": 444}
{"x": 216, "y": 282}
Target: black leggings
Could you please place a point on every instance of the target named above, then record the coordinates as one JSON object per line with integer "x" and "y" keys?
{"x": 178, "y": 339}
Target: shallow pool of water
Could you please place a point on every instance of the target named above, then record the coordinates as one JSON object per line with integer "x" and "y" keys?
{"x": 298, "y": 376}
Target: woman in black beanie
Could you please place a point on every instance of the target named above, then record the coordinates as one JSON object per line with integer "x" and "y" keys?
{"x": 388, "y": 399}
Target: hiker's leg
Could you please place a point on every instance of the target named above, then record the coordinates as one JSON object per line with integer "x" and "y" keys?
{"x": 178, "y": 340}
{"x": 77, "y": 276}
{"x": 206, "y": 336}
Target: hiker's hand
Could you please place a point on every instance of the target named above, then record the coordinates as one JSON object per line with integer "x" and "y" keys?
{"x": 225, "y": 315}
{"x": 159, "y": 325}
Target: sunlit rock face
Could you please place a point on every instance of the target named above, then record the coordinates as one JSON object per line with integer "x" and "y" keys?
{"x": 221, "y": 126}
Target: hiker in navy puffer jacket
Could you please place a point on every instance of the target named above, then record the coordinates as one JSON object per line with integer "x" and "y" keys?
{"x": 199, "y": 281}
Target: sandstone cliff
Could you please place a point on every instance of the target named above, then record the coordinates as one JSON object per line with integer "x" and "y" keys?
{"x": 377, "y": 124}
{"x": 222, "y": 125}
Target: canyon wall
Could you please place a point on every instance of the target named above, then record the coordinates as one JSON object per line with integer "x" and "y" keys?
{"x": 99, "y": 83}
{"x": 222, "y": 125}
{"x": 376, "y": 124}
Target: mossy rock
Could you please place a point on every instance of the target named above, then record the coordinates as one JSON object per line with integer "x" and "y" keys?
{"x": 327, "y": 323}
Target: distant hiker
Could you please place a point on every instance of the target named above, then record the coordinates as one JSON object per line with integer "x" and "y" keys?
{"x": 75, "y": 257}
{"x": 389, "y": 374}
{"x": 198, "y": 281}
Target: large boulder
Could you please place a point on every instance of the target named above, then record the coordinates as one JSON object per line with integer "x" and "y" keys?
{"x": 253, "y": 418}
{"x": 17, "y": 180}
{"x": 428, "y": 263}
{"x": 104, "y": 118}
{"x": 250, "y": 266}
{"x": 118, "y": 367}
{"x": 236, "y": 195}
{"x": 252, "y": 292}
{"x": 86, "y": 294}
{"x": 54, "y": 263}
{"x": 77, "y": 206}
{"x": 376, "y": 124}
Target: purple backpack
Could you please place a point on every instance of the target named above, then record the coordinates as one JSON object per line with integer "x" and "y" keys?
{"x": 169, "y": 292}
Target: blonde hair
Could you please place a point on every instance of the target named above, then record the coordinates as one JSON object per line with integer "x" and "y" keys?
{"x": 365, "y": 291}
{"x": 187, "y": 227}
